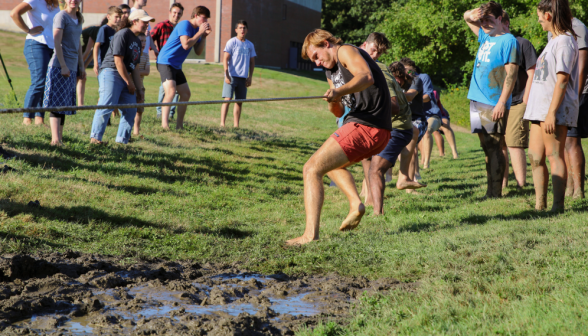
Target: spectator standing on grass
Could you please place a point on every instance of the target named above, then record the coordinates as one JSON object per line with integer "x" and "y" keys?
{"x": 118, "y": 74}
{"x": 495, "y": 73}
{"x": 124, "y": 17}
{"x": 144, "y": 69}
{"x": 65, "y": 67}
{"x": 139, "y": 4}
{"x": 356, "y": 81}
{"x": 187, "y": 35}
{"x": 430, "y": 110}
{"x": 88, "y": 40}
{"x": 575, "y": 160}
{"x": 104, "y": 37}
{"x": 445, "y": 128}
{"x": 238, "y": 63}
{"x": 553, "y": 101}
{"x": 159, "y": 35}
{"x": 401, "y": 135}
{"x": 38, "y": 49}
{"x": 517, "y": 129}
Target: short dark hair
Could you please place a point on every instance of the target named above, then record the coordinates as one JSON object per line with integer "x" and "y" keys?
{"x": 200, "y": 10}
{"x": 124, "y": 6}
{"x": 491, "y": 7}
{"x": 380, "y": 41}
{"x": 505, "y": 17}
{"x": 242, "y": 22}
{"x": 177, "y": 4}
{"x": 397, "y": 69}
{"x": 408, "y": 61}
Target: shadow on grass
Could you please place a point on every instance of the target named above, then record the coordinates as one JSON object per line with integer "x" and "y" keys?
{"x": 524, "y": 215}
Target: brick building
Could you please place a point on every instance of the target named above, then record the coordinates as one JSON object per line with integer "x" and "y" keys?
{"x": 276, "y": 27}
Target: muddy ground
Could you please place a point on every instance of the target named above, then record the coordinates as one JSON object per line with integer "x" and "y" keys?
{"x": 76, "y": 294}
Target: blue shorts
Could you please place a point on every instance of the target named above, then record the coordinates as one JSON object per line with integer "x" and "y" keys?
{"x": 237, "y": 87}
{"x": 399, "y": 139}
{"x": 421, "y": 124}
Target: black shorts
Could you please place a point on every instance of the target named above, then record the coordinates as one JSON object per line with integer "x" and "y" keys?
{"x": 167, "y": 72}
{"x": 581, "y": 131}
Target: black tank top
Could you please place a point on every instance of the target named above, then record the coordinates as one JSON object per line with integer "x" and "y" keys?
{"x": 370, "y": 107}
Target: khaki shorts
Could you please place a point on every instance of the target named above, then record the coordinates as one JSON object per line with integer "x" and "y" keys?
{"x": 517, "y": 129}
{"x": 434, "y": 124}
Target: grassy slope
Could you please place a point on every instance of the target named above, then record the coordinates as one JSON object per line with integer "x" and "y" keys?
{"x": 235, "y": 195}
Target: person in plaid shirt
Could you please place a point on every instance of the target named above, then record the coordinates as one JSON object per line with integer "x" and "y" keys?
{"x": 159, "y": 36}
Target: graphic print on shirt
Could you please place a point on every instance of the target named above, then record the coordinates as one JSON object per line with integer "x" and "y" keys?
{"x": 484, "y": 51}
{"x": 541, "y": 69}
{"x": 338, "y": 81}
{"x": 135, "y": 47}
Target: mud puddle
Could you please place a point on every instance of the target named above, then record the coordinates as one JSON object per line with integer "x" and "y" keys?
{"x": 81, "y": 294}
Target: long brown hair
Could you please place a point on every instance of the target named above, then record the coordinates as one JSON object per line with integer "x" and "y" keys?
{"x": 398, "y": 70}
{"x": 562, "y": 15}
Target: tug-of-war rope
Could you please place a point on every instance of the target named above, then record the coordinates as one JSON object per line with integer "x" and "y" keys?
{"x": 126, "y": 106}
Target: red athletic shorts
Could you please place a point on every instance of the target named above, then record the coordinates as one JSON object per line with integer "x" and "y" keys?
{"x": 361, "y": 142}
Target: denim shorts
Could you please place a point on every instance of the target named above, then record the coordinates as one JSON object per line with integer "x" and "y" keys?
{"x": 237, "y": 87}
{"x": 422, "y": 125}
{"x": 399, "y": 139}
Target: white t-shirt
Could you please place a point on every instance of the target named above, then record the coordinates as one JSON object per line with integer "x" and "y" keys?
{"x": 241, "y": 53}
{"x": 560, "y": 55}
{"x": 41, "y": 15}
{"x": 148, "y": 40}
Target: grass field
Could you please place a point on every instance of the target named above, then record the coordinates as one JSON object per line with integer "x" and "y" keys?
{"x": 235, "y": 195}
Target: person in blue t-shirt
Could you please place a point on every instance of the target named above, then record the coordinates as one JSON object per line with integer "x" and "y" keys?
{"x": 495, "y": 73}
{"x": 185, "y": 36}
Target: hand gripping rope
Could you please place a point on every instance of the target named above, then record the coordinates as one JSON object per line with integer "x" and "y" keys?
{"x": 125, "y": 106}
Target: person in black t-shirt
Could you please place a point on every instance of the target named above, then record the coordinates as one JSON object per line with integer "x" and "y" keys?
{"x": 517, "y": 130}
{"x": 118, "y": 73}
{"x": 357, "y": 82}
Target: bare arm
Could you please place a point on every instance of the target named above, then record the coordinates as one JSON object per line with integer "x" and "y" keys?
{"x": 16, "y": 15}
{"x": 251, "y": 68}
{"x": 189, "y": 42}
{"x": 558, "y": 96}
{"x": 336, "y": 107}
{"x": 509, "y": 84}
{"x": 122, "y": 71}
{"x": 226, "y": 59}
{"x": 530, "y": 75}
{"x": 352, "y": 60}
{"x": 95, "y": 54}
{"x": 426, "y": 98}
{"x": 89, "y": 47}
{"x": 57, "y": 37}
{"x": 583, "y": 66}
{"x": 411, "y": 94}
{"x": 472, "y": 18}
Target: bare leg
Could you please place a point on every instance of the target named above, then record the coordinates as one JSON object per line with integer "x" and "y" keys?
{"x": 505, "y": 179}
{"x": 38, "y": 121}
{"x": 184, "y": 92}
{"x": 439, "y": 142}
{"x": 554, "y": 150}
{"x": 28, "y": 121}
{"x": 237, "y": 114}
{"x": 376, "y": 182}
{"x": 60, "y": 134}
{"x": 81, "y": 90}
{"x": 519, "y": 165}
{"x": 330, "y": 159}
{"x": 576, "y": 165}
{"x": 538, "y": 166}
{"x": 366, "y": 181}
{"x": 446, "y": 128}
{"x": 169, "y": 86}
{"x": 406, "y": 173}
{"x": 137, "y": 127}
{"x": 224, "y": 111}
{"x": 570, "y": 184}
{"x": 427, "y": 149}
{"x": 55, "y": 125}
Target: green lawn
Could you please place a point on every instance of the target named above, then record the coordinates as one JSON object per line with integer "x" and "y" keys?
{"x": 235, "y": 195}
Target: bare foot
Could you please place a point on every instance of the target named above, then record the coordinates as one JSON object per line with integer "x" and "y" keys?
{"x": 300, "y": 241}
{"x": 455, "y": 157}
{"x": 165, "y": 128}
{"x": 353, "y": 219}
{"x": 27, "y": 121}
{"x": 408, "y": 184}
{"x": 540, "y": 206}
{"x": 578, "y": 194}
{"x": 97, "y": 142}
{"x": 412, "y": 192}
{"x": 56, "y": 143}
{"x": 557, "y": 209}
{"x": 569, "y": 192}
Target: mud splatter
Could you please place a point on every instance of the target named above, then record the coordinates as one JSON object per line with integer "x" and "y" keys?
{"x": 79, "y": 294}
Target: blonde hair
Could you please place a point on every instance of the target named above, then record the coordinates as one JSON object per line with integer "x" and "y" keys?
{"x": 317, "y": 38}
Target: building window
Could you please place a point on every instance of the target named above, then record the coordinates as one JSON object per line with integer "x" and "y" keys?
{"x": 284, "y": 10}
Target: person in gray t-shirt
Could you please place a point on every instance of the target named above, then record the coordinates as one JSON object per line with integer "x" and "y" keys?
{"x": 576, "y": 162}
{"x": 65, "y": 67}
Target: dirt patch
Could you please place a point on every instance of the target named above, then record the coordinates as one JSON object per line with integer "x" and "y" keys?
{"x": 77, "y": 294}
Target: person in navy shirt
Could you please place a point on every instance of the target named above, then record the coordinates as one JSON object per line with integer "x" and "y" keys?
{"x": 495, "y": 73}
{"x": 187, "y": 35}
